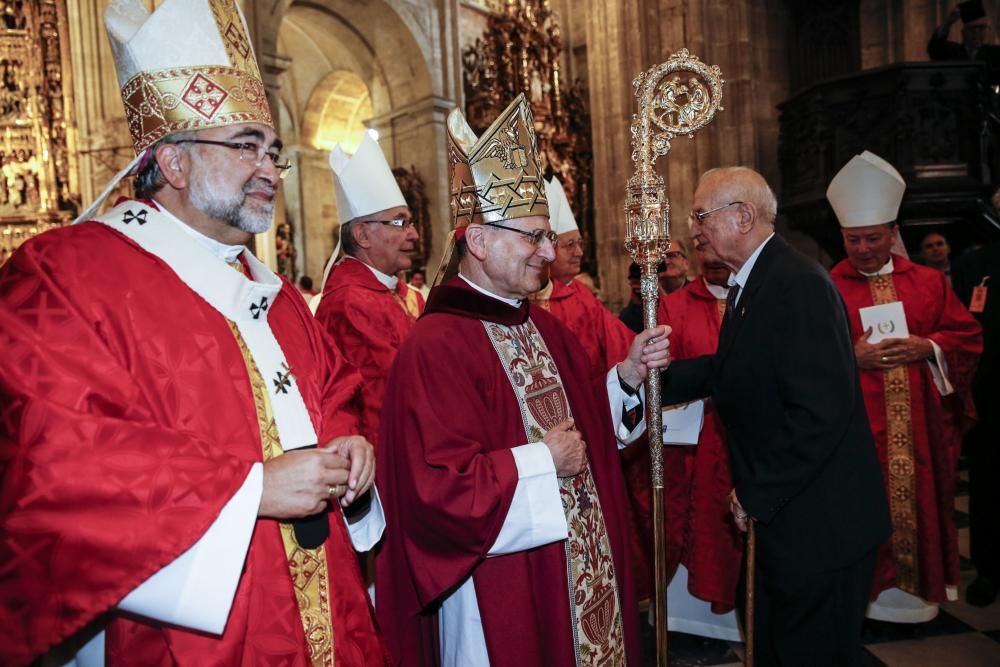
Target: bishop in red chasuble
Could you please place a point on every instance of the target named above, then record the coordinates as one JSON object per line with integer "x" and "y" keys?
{"x": 156, "y": 377}
{"x": 365, "y": 308}
{"x": 916, "y": 388}
{"x": 133, "y": 416}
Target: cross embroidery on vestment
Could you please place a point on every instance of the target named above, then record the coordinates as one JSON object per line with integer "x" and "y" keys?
{"x": 140, "y": 217}
{"x": 257, "y": 309}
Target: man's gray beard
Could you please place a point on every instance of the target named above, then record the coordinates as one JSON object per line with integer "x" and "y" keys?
{"x": 231, "y": 210}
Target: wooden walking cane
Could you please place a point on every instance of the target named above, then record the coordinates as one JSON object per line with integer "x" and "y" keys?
{"x": 677, "y": 97}
{"x": 750, "y": 583}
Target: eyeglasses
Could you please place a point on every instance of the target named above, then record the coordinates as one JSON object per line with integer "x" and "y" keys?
{"x": 701, "y": 215}
{"x": 674, "y": 255}
{"x": 398, "y": 223}
{"x": 249, "y": 151}
{"x": 535, "y": 235}
{"x": 580, "y": 243}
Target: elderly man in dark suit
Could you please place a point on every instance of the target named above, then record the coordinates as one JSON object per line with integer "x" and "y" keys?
{"x": 804, "y": 465}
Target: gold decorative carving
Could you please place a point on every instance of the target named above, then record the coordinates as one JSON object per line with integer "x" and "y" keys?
{"x": 37, "y": 170}
{"x": 676, "y": 98}
{"x": 415, "y": 193}
{"x": 520, "y": 53}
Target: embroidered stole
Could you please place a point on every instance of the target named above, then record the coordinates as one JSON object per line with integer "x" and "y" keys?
{"x": 720, "y": 305}
{"x": 594, "y": 602}
{"x": 901, "y": 469}
{"x": 244, "y": 301}
{"x": 307, "y": 567}
{"x": 543, "y": 297}
{"x": 407, "y": 300}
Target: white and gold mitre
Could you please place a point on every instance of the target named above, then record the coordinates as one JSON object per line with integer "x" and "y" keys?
{"x": 187, "y": 66}
{"x": 497, "y": 176}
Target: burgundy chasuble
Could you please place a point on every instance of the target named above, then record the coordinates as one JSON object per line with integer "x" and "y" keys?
{"x": 447, "y": 478}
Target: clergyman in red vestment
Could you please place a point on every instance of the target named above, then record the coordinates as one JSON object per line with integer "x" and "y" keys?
{"x": 916, "y": 388}
{"x": 365, "y": 308}
{"x": 499, "y": 469}
{"x": 157, "y": 378}
{"x": 703, "y": 543}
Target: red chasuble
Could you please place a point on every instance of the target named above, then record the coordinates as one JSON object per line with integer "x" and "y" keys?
{"x": 368, "y": 322}
{"x": 602, "y": 335}
{"x": 128, "y": 422}
{"x": 447, "y": 478}
{"x": 701, "y": 533}
{"x": 918, "y": 439}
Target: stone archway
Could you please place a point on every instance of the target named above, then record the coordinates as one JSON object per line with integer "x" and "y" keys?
{"x": 336, "y": 112}
{"x": 396, "y": 49}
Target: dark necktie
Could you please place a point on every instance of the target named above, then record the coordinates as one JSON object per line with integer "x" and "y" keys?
{"x": 734, "y": 292}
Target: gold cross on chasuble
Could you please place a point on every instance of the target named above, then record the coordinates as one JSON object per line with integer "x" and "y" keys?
{"x": 594, "y": 602}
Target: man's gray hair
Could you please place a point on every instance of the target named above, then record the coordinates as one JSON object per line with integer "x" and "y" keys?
{"x": 745, "y": 184}
{"x": 150, "y": 178}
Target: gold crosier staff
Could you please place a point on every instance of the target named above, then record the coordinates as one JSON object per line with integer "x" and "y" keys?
{"x": 677, "y": 97}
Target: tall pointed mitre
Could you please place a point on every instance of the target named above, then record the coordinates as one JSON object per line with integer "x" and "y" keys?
{"x": 561, "y": 216}
{"x": 363, "y": 182}
{"x": 867, "y": 191}
{"x": 495, "y": 177}
{"x": 187, "y": 66}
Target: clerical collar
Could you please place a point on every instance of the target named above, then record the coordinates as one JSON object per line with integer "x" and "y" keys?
{"x": 227, "y": 253}
{"x": 740, "y": 277}
{"x": 384, "y": 278}
{"x": 718, "y": 291}
{"x": 516, "y": 303}
{"x": 884, "y": 271}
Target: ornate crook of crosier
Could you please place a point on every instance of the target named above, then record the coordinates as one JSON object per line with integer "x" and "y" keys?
{"x": 677, "y": 97}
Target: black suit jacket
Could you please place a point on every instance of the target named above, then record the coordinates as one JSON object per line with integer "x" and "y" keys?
{"x": 785, "y": 383}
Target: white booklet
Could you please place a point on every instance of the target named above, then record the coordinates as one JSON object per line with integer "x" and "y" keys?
{"x": 682, "y": 423}
{"x": 886, "y": 320}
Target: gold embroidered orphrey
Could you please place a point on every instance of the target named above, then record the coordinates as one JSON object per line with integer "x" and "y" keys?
{"x": 902, "y": 471}
{"x": 594, "y": 601}
{"x": 307, "y": 567}
{"x": 161, "y": 102}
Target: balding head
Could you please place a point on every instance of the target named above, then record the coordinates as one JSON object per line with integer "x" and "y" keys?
{"x": 733, "y": 210}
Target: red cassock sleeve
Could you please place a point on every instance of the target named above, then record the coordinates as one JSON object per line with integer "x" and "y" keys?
{"x": 603, "y": 336}
{"x": 95, "y": 494}
{"x": 368, "y": 334}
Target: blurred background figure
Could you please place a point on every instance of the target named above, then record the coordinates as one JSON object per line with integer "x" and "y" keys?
{"x": 418, "y": 281}
{"x": 306, "y": 287}
{"x": 936, "y": 253}
{"x": 674, "y": 269}
{"x": 631, "y": 314}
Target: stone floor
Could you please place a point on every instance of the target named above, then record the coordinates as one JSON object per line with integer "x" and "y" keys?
{"x": 960, "y": 636}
